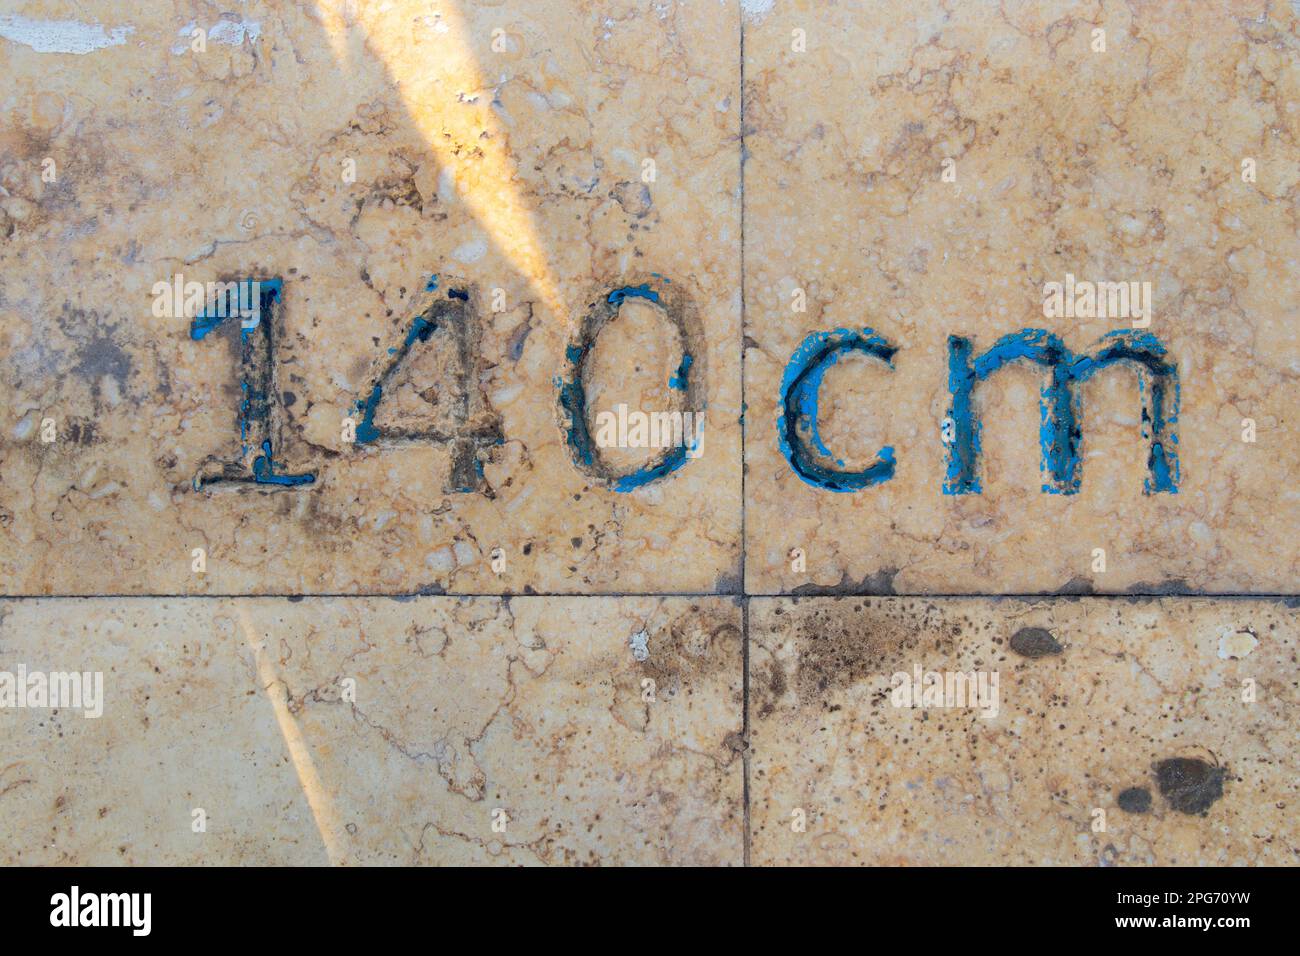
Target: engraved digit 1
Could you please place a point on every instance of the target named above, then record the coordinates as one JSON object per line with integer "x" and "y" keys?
{"x": 257, "y": 304}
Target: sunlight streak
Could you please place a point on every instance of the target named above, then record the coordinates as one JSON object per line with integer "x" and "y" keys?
{"x": 318, "y": 801}
{"x": 448, "y": 102}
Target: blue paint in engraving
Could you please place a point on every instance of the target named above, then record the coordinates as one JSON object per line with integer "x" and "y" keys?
{"x": 672, "y": 461}
{"x": 642, "y": 291}
{"x": 797, "y": 414}
{"x": 264, "y": 471}
{"x": 573, "y": 399}
{"x": 202, "y": 324}
{"x": 366, "y": 430}
{"x": 679, "y": 380}
{"x": 1060, "y": 432}
{"x": 269, "y": 292}
{"x": 420, "y": 330}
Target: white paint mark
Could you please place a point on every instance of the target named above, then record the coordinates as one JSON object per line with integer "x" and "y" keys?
{"x": 26, "y": 425}
{"x": 1235, "y": 644}
{"x": 471, "y": 251}
{"x": 232, "y": 33}
{"x": 61, "y": 36}
{"x": 640, "y": 644}
{"x": 446, "y": 185}
{"x": 229, "y": 32}
{"x": 186, "y": 32}
{"x": 756, "y": 9}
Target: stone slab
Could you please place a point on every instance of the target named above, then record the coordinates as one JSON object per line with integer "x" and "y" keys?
{"x": 376, "y": 731}
{"x": 924, "y": 170}
{"x": 1128, "y": 713}
{"x": 510, "y": 166}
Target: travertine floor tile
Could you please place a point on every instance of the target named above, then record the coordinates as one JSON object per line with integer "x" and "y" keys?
{"x": 1128, "y": 714}
{"x": 591, "y": 730}
{"x": 502, "y": 170}
{"x": 923, "y": 170}
{"x": 482, "y": 232}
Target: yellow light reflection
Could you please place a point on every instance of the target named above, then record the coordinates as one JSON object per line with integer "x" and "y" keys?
{"x": 318, "y": 801}
{"x": 447, "y": 101}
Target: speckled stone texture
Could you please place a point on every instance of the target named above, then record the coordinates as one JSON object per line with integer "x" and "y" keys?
{"x": 458, "y": 709}
{"x": 501, "y": 147}
{"x": 1096, "y": 706}
{"x": 1123, "y": 165}
{"x": 474, "y": 638}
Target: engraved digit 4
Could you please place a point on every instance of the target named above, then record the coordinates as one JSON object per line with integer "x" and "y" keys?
{"x": 450, "y": 320}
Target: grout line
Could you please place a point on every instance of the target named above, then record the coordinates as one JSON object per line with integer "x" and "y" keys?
{"x": 741, "y": 597}
{"x": 744, "y": 410}
{"x": 1051, "y": 596}
{"x": 296, "y": 596}
{"x": 745, "y": 728}
{"x": 744, "y": 425}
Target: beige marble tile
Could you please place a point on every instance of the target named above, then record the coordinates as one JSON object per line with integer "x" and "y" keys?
{"x": 1117, "y": 166}
{"x": 1132, "y": 707}
{"x": 473, "y": 207}
{"x": 365, "y": 731}
{"x": 534, "y": 156}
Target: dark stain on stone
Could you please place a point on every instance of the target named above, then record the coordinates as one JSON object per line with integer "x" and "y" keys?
{"x": 697, "y": 642}
{"x": 99, "y": 356}
{"x": 880, "y": 583}
{"x": 635, "y": 198}
{"x": 82, "y": 431}
{"x": 1189, "y": 785}
{"x": 517, "y": 339}
{"x": 776, "y": 685}
{"x": 728, "y": 583}
{"x": 1170, "y": 586}
{"x": 1135, "y": 800}
{"x": 1076, "y": 585}
{"x": 1035, "y": 642}
{"x": 734, "y": 742}
{"x": 843, "y": 643}
{"x": 328, "y": 528}
{"x": 776, "y": 680}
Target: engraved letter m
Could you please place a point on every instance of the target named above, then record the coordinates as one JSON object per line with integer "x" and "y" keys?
{"x": 1061, "y": 433}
